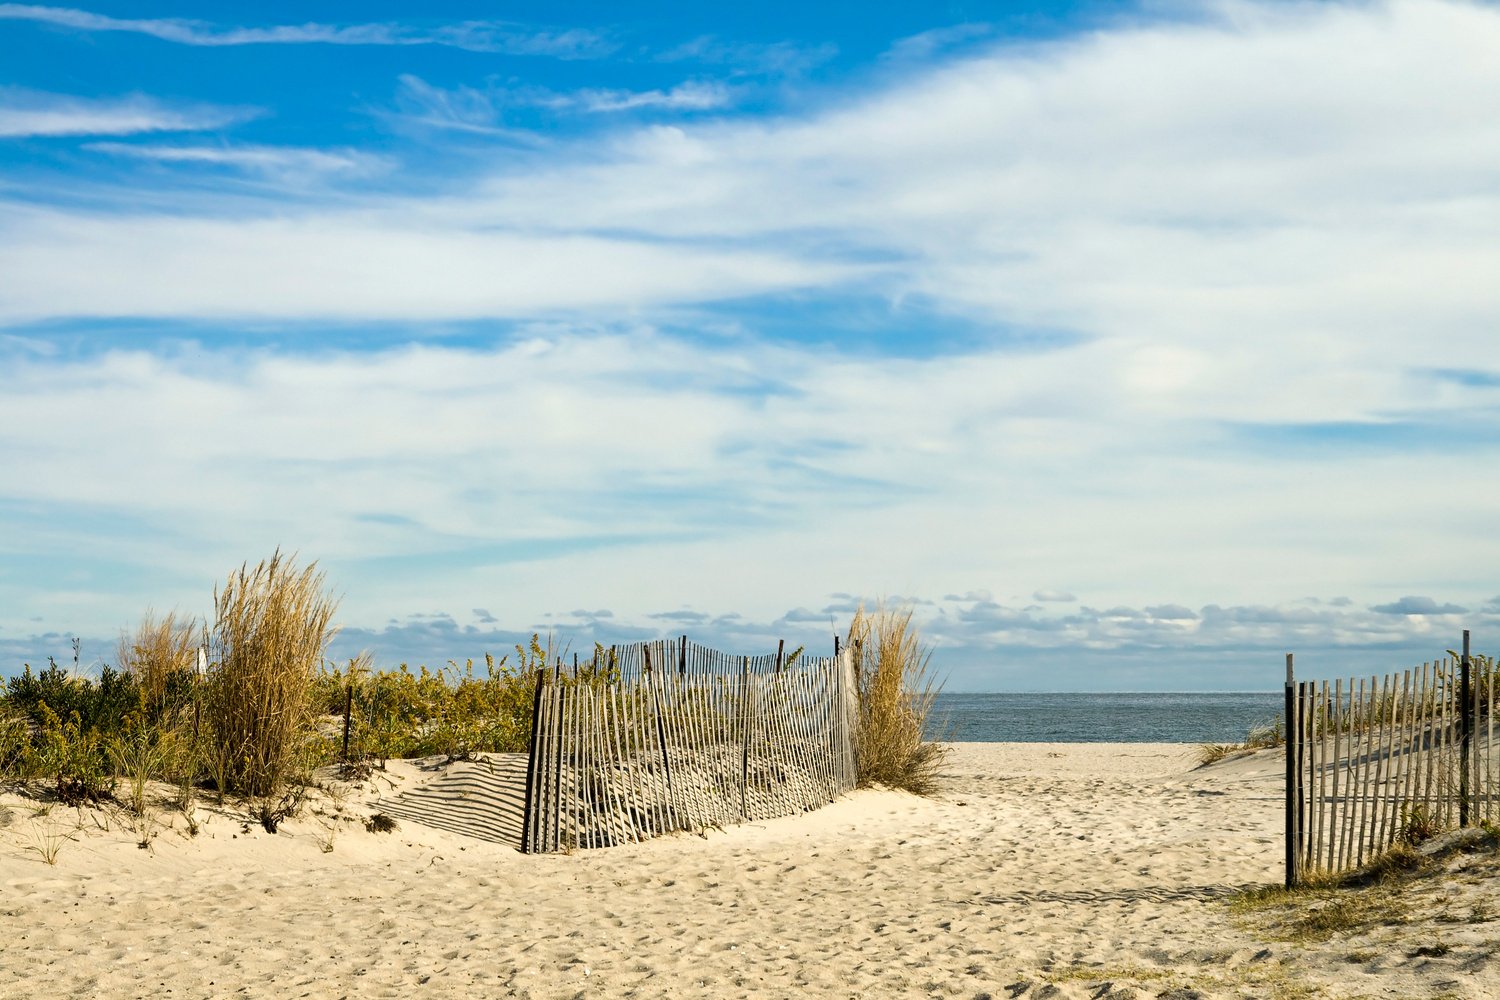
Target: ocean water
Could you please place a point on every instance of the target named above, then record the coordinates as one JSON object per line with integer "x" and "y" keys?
{"x": 1192, "y": 717}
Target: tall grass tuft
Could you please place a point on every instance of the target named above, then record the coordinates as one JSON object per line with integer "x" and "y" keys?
{"x": 896, "y": 691}
{"x": 161, "y": 653}
{"x": 272, "y": 624}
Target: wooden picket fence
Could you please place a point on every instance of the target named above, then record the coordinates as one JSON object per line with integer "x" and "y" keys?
{"x": 1373, "y": 761}
{"x": 665, "y": 736}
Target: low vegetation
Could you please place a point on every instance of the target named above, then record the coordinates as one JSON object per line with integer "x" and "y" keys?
{"x": 896, "y": 691}
{"x": 254, "y": 723}
{"x": 1262, "y": 736}
{"x": 1401, "y": 888}
{"x": 452, "y": 711}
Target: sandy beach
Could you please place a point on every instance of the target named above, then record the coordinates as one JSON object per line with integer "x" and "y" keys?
{"x": 1043, "y": 870}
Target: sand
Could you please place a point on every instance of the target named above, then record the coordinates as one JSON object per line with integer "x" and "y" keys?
{"x": 1043, "y": 870}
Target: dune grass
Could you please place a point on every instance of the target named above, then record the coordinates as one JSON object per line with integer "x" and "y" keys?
{"x": 272, "y": 626}
{"x": 896, "y": 691}
{"x": 1262, "y": 736}
{"x": 160, "y": 654}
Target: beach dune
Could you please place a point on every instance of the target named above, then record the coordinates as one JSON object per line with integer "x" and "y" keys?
{"x": 1042, "y": 870}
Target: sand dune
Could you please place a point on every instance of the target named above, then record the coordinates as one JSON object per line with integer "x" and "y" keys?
{"x": 484, "y": 799}
{"x": 1066, "y": 871}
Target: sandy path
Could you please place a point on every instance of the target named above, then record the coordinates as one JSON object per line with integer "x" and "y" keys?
{"x": 1044, "y": 870}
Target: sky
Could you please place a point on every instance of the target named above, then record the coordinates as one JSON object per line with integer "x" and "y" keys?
{"x": 1128, "y": 346}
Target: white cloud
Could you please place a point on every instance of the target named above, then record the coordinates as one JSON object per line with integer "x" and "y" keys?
{"x": 483, "y": 111}
{"x": 353, "y": 265}
{"x": 1250, "y": 213}
{"x": 1255, "y": 211}
{"x": 35, "y": 113}
{"x": 927, "y": 44}
{"x": 690, "y": 96}
{"x": 554, "y": 468}
{"x": 459, "y": 109}
{"x": 260, "y": 159}
{"x": 784, "y": 58}
{"x": 476, "y": 36}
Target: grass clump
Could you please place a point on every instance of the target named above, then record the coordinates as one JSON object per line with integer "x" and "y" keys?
{"x": 380, "y": 823}
{"x": 896, "y": 691}
{"x": 1262, "y": 736}
{"x": 1418, "y": 825}
{"x": 271, "y": 628}
{"x": 161, "y": 656}
{"x": 1212, "y": 753}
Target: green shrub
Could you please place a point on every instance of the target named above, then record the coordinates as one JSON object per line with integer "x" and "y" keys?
{"x": 75, "y": 758}
{"x": 450, "y": 711}
{"x": 18, "y": 760}
{"x": 99, "y": 705}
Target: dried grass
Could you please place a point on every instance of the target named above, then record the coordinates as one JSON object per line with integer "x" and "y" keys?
{"x": 896, "y": 691}
{"x": 271, "y": 628}
{"x": 159, "y": 651}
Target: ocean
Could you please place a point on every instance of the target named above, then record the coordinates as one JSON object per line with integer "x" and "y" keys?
{"x": 1191, "y": 717}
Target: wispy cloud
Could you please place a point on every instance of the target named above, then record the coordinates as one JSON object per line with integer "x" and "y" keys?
{"x": 927, "y": 44}
{"x": 690, "y": 96}
{"x": 680, "y": 455}
{"x": 482, "y": 111}
{"x": 459, "y": 109}
{"x": 753, "y": 58}
{"x": 279, "y": 160}
{"x": 360, "y": 264}
{"x": 37, "y": 113}
{"x": 504, "y": 37}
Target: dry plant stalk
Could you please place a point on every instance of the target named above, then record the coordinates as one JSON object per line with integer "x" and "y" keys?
{"x": 159, "y": 649}
{"x": 271, "y": 628}
{"x": 896, "y": 692}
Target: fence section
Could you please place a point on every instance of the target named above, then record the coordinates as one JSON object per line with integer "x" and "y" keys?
{"x": 1375, "y": 760}
{"x": 671, "y": 736}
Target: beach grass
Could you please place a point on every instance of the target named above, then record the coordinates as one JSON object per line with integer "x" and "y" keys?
{"x": 272, "y": 626}
{"x": 896, "y": 690}
{"x": 159, "y": 654}
{"x": 1262, "y": 736}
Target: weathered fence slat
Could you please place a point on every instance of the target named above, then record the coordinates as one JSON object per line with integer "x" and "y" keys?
{"x": 669, "y": 736}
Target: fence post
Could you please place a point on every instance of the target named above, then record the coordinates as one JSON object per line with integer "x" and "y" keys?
{"x": 1466, "y": 734}
{"x": 528, "y": 813}
{"x": 1291, "y": 775}
{"x": 348, "y": 717}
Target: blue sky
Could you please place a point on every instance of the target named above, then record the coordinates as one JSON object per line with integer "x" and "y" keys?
{"x": 1130, "y": 346}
